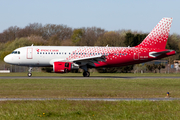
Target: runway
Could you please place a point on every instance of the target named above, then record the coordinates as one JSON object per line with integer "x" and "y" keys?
{"x": 93, "y": 77}
{"x": 90, "y": 99}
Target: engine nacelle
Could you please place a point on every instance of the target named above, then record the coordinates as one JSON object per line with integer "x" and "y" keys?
{"x": 62, "y": 67}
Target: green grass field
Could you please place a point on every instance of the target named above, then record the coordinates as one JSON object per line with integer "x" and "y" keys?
{"x": 89, "y": 110}
{"x": 89, "y": 88}
{"x": 94, "y": 88}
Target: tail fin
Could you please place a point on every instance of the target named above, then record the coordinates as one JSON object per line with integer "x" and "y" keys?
{"x": 157, "y": 38}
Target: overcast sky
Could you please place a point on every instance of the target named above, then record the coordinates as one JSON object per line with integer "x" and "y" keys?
{"x": 111, "y": 15}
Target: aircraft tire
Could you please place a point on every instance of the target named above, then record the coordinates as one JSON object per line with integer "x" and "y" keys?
{"x": 86, "y": 74}
{"x": 29, "y": 74}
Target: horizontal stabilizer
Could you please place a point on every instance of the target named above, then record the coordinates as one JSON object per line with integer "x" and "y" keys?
{"x": 156, "y": 54}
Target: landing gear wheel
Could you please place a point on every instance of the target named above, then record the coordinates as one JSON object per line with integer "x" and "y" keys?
{"x": 86, "y": 74}
{"x": 29, "y": 74}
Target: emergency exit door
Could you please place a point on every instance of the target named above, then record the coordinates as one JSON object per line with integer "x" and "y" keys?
{"x": 29, "y": 53}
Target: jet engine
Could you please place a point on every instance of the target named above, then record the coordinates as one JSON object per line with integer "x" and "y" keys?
{"x": 64, "y": 67}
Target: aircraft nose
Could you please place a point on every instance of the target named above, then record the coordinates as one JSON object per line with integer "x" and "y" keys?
{"x": 7, "y": 59}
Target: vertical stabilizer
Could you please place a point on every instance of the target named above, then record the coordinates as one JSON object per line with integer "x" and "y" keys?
{"x": 157, "y": 38}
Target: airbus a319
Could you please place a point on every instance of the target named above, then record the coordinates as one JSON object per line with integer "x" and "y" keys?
{"x": 63, "y": 59}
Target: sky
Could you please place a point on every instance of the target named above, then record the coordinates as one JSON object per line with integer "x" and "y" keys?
{"x": 111, "y": 15}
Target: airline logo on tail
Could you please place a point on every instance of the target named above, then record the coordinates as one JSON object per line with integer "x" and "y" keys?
{"x": 157, "y": 38}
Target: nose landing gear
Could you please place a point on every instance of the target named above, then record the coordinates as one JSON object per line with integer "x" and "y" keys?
{"x": 30, "y": 72}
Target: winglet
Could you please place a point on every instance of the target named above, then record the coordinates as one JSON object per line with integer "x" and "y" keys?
{"x": 157, "y": 38}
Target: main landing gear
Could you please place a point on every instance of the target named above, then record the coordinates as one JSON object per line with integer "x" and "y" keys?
{"x": 30, "y": 72}
{"x": 85, "y": 73}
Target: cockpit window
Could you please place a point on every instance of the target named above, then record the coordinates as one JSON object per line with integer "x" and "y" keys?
{"x": 15, "y": 52}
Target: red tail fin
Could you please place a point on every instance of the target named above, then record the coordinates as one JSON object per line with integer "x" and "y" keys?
{"x": 157, "y": 38}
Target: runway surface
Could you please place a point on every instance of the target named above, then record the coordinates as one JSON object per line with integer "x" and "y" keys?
{"x": 93, "y": 77}
{"x": 89, "y": 99}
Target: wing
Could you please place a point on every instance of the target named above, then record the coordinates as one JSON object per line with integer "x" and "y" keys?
{"x": 83, "y": 61}
{"x": 89, "y": 60}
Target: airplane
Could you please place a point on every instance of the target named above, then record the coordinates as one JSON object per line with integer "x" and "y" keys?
{"x": 63, "y": 59}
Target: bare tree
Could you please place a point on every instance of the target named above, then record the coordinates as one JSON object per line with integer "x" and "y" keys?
{"x": 111, "y": 38}
{"x": 61, "y": 31}
{"x": 91, "y": 35}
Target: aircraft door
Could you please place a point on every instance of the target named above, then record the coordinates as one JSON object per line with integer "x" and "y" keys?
{"x": 136, "y": 56}
{"x": 29, "y": 53}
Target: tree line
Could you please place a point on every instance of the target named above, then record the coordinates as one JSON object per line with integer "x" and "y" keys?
{"x": 62, "y": 35}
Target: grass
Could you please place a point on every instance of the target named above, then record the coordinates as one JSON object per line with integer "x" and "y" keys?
{"x": 92, "y": 74}
{"x": 87, "y": 110}
{"x": 89, "y": 88}
{"x": 92, "y": 88}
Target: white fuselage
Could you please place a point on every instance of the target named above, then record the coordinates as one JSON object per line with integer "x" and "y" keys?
{"x": 39, "y": 55}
